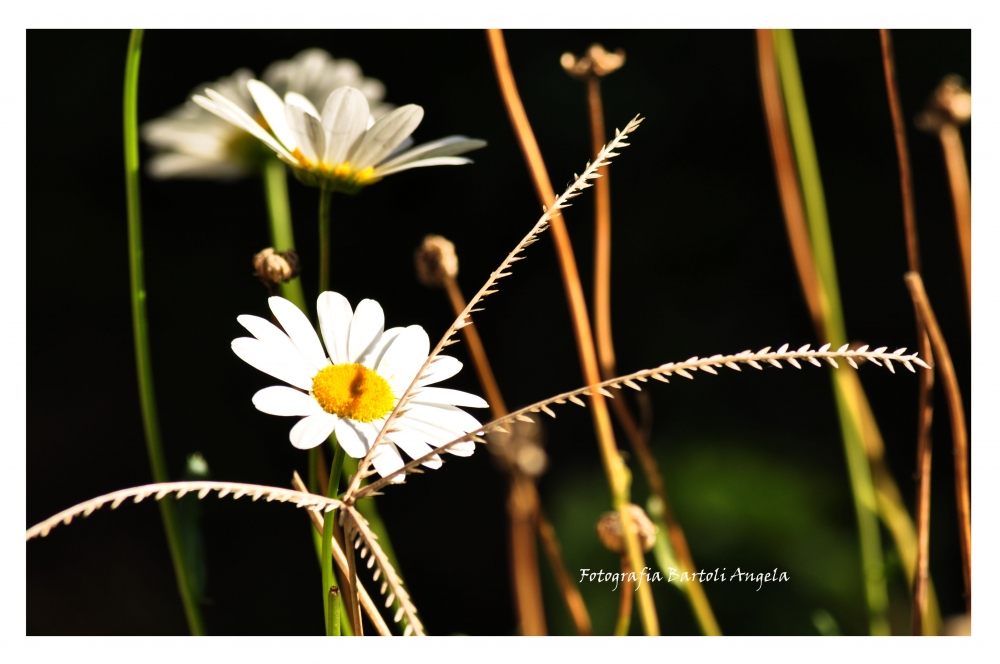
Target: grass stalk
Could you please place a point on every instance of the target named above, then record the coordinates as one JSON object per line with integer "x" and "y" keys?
{"x": 624, "y": 620}
{"x": 637, "y": 438}
{"x": 140, "y": 330}
{"x": 571, "y": 593}
{"x": 961, "y": 196}
{"x": 847, "y": 394}
{"x": 614, "y": 466}
{"x": 925, "y": 403}
{"x": 324, "y": 238}
{"x": 959, "y": 434}
{"x": 326, "y": 553}
{"x": 280, "y": 218}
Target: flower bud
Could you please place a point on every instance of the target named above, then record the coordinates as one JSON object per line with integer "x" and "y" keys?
{"x": 951, "y": 103}
{"x": 521, "y": 449}
{"x": 609, "y": 530}
{"x": 274, "y": 267}
{"x": 596, "y": 62}
{"x": 436, "y": 261}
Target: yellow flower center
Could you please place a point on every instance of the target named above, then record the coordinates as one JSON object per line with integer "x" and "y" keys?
{"x": 353, "y": 391}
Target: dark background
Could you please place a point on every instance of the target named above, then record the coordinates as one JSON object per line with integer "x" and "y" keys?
{"x": 754, "y": 462}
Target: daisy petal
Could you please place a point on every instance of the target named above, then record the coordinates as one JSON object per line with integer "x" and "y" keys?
{"x": 295, "y": 99}
{"x": 385, "y": 135}
{"x": 308, "y": 132}
{"x": 299, "y": 330}
{"x": 353, "y": 437}
{"x": 230, "y": 112}
{"x": 286, "y": 401}
{"x": 446, "y": 397}
{"x": 420, "y": 163}
{"x": 464, "y": 449}
{"x": 366, "y": 329}
{"x": 404, "y": 357}
{"x": 413, "y": 445}
{"x": 443, "y": 147}
{"x": 284, "y": 363}
{"x": 273, "y": 110}
{"x": 442, "y": 368}
{"x": 312, "y": 431}
{"x": 263, "y": 329}
{"x": 374, "y": 357}
{"x": 335, "y": 316}
{"x": 445, "y": 417}
{"x": 387, "y": 460}
{"x": 345, "y": 117}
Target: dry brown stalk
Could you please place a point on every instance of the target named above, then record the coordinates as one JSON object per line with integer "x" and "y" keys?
{"x": 523, "y": 508}
{"x": 961, "y": 195}
{"x": 613, "y": 464}
{"x": 591, "y": 68}
{"x": 925, "y": 404}
{"x": 956, "y": 412}
{"x": 341, "y": 559}
{"x": 891, "y": 507}
{"x": 353, "y": 583}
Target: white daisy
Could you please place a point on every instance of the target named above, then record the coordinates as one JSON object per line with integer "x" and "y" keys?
{"x": 351, "y": 387}
{"x": 191, "y": 142}
{"x": 343, "y": 148}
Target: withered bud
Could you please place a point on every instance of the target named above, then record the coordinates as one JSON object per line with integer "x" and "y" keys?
{"x": 436, "y": 261}
{"x": 595, "y": 62}
{"x": 274, "y": 267}
{"x": 951, "y": 103}
{"x": 609, "y": 530}
{"x": 520, "y": 450}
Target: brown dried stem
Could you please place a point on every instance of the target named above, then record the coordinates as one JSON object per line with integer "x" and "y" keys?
{"x": 956, "y": 412}
{"x": 925, "y": 404}
{"x": 524, "y": 510}
{"x": 637, "y": 438}
{"x": 961, "y": 196}
{"x": 613, "y": 464}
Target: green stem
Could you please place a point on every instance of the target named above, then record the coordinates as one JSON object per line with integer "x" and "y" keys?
{"x": 324, "y": 239}
{"x": 140, "y": 329}
{"x": 326, "y": 554}
{"x": 859, "y": 468}
{"x": 282, "y": 238}
{"x": 333, "y": 604}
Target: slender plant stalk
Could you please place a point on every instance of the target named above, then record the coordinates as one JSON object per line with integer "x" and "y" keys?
{"x": 956, "y": 412}
{"x": 524, "y": 509}
{"x": 140, "y": 330}
{"x": 925, "y": 402}
{"x": 280, "y": 215}
{"x": 333, "y": 608}
{"x": 961, "y": 196}
{"x": 571, "y": 593}
{"x": 891, "y": 508}
{"x": 614, "y": 466}
{"x": 859, "y": 468}
{"x": 326, "y": 555}
{"x": 638, "y": 439}
{"x": 624, "y": 620}
{"x": 352, "y": 578}
{"x": 324, "y": 239}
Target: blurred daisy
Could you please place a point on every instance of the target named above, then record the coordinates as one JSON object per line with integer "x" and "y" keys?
{"x": 343, "y": 148}
{"x": 351, "y": 387}
{"x": 193, "y": 143}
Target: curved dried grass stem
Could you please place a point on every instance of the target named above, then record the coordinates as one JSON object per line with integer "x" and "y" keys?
{"x": 202, "y": 488}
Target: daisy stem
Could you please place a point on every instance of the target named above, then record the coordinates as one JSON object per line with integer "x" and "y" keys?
{"x": 140, "y": 329}
{"x": 324, "y": 239}
{"x": 326, "y": 555}
{"x": 280, "y": 214}
{"x": 847, "y": 392}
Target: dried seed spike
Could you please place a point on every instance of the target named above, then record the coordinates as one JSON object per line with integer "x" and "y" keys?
{"x": 223, "y": 492}
{"x": 880, "y": 350}
{"x": 181, "y": 493}
{"x": 371, "y": 561}
{"x": 862, "y": 349}
{"x": 389, "y": 599}
{"x": 681, "y": 372}
{"x": 524, "y": 418}
{"x": 399, "y": 614}
{"x": 548, "y": 411}
{"x": 364, "y": 552}
{"x": 916, "y": 360}
{"x": 898, "y": 352}
{"x": 634, "y": 385}
{"x": 660, "y": 377}
{"x": 843, "y": 348}
{"x": 710, "y": 370}
{"x": 832, "y": 362}
{"x": 888, "y": 365}
{"x": 795, "y": 363}
{"x": 385, "y": 584}
{"x": 763, "y": 351}
{"x": 255, "y": 495}
{"x": 642, "y": 379}
{"x": 161, "y": 494}
{"x": 823, "y": 348}
{"x": 776, "y": 363}
{"x": 239, "y": 494}
{"x": 90, "y": 510}
{"x": 204, "y": 492}
{"x": 754, "y": 364}
{"x": 139, "y": 497}
{"x": 376, "y": 575}
{"x": 357, "y": 542}
{"x": 733, "y": 366}
{"x": 803, "y": 349}
{"x": 604, "y": 392}
{"x": 408, "y": 631}
{"x": 690, "y": 360}
{"x": 875, "y": 361}
{"x": 118, "y": 501}
{"x": 577, "y": 400}
{"x": 783, "y": 348}
{"x": 908, "y": 366}
{"x": 851, "y": 361}
{"x": 813, "y": 360}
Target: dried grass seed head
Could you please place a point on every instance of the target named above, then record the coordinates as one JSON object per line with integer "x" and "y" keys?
{"x": 595, "y": 62}
{"x": 275, "y": 267}
{"x": 951, "y": 103}
{"x": 436, "y": 261}
{"x": 609, "y": 529}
